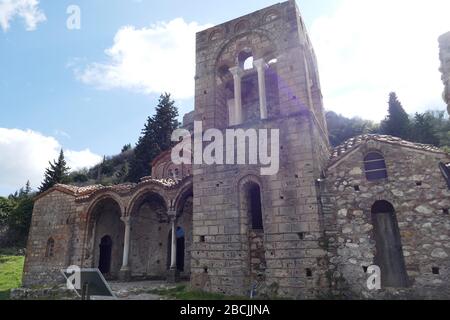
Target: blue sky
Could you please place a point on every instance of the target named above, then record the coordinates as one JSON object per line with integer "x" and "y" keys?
{"x": 56, "y": 87}
{"x": 39, "y": 91}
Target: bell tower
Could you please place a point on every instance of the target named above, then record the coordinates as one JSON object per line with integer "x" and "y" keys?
{"x": 259, "y": 71}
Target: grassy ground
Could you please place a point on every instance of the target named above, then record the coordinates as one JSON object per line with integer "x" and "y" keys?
{"x": 182, "y": 292}
{"x": 11, "y": 266}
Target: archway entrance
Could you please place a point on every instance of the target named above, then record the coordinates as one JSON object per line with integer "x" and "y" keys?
{"x": 389, "y": 252}
{"x": 104, "y": 264}
{"x": 180, "y": 249}
{"x": 106, "y": 237}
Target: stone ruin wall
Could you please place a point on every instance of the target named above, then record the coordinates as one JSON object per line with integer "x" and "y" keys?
{"x": 224, "y": 244}
{"x": 420, "y": 209}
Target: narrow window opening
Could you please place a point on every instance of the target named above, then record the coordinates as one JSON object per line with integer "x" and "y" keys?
{"x": 50, "y": 248}
{"x": 245, "y": 59}
{"x": 202, "y": 238}
{"x": 356, "y": 188}
{"x": 435, "y": 270}
{"x": 248, "y": 63}
{"x": 308, "y": 272}
{"x": 255, "y": 207}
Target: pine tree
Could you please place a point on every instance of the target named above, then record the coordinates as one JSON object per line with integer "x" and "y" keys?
{"x": 397, "y": 122}
{"x": 126, "y": 147}
{"x": 56, "y": 173}
{"x": 155, "y": 138}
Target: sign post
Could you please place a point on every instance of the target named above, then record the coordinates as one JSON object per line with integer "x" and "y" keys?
{"x": 87, "y": 282}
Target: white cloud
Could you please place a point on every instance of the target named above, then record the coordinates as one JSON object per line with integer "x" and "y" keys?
{"x": 366, "y": 49}
{"x": 24, "y": 155}
{"x": 28, "y": 10}
{"x": 149, "y": 60}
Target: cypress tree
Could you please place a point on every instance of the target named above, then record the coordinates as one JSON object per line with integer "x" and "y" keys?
{"x": 155, "y": 138}
{"x": 58, "y": 172}
{"x": 397, "y": 122}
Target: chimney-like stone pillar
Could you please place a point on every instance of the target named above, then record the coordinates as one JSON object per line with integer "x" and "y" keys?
{"x": 444, "y": 48}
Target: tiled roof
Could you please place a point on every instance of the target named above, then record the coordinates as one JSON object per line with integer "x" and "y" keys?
{"x": 355, "y": 142}
{"x": 82, "y": 193}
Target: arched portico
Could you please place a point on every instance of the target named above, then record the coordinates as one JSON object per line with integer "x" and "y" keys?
{"x": 149, "y": 223}
{"x": 105, "y": 236}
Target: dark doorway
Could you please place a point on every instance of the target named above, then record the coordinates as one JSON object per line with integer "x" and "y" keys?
{"x": 104, "y": 264}
{"x": 389, "y": 252}
{"x": 180, "y": 249}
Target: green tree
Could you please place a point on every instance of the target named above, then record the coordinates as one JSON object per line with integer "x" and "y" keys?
{"x": 155, "y": 138}
{"x": 424, "y": 129}
{"x": 58, "y": 172}
{"x": 341, "y": 128}
{"x": 19, "y": 221}
{"x": 15, "y": 215}
{"x": 397, "y": 122}
{"x": 126, "y": 147}
{"x": 6, "y": 207}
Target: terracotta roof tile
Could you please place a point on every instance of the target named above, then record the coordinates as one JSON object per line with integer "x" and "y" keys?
{"x": 353, "y": 143}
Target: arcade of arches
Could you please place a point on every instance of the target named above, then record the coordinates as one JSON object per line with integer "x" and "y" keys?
{"x": 144, "y": 250}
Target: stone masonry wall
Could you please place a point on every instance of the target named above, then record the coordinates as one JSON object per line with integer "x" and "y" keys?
{"x": 78, "y": 224}
{"x": 294, "y": 257}
{"x": 51, "y": 219}
{"x": 422, "y": 214}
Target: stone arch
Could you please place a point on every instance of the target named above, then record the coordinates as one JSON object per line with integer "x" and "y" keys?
{"x": 90, "y": 217}
{"x": 149, "y": 223}
{"x": 183, "y": 205}
{"x": 104, "y": 219}
{"x": 216, "y": 34}
{"x": 257, "y": 52}
{"x": 271, "y": 15}
{"x": 151, "y": 188}
{"x": 241, "y": 26}
{"x": 244, "y": 49}
{"x": 105, "y": 194}
{"x": 185, "y": 190}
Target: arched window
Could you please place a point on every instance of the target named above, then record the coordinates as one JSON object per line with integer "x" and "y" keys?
{"x": 375, "y": 166}
{"x": 254, "y": 197}
{"x": 245, "y": 59}
{"x": 50, "y": 247}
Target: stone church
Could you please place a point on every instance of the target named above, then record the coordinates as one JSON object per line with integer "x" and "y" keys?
{"x": 310, "y": 231}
